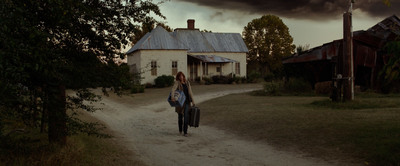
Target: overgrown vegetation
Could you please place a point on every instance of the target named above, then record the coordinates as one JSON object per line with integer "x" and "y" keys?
{"x": 32, "y": 148}
{"x": 363, "y": 131}
{"x": 164, "y": 81}
{"x": 293, "y": 86}
{"x": 48, "y": 46}
{"x": 391, "y": 71}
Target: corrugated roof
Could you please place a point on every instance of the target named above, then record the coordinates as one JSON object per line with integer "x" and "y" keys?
{"x": 192, "y": 40}
{"x": 391, "y": 24}
{"x": 212, "y": 58}
{"x": 324, "y": 52}
{"x": 226, "y": 42}
{"x": 158, "y": 39}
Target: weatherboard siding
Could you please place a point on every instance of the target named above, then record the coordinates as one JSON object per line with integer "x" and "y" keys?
{"x": 164, "y": 59}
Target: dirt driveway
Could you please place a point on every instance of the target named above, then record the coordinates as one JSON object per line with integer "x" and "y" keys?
{"x": 147, "y": 125}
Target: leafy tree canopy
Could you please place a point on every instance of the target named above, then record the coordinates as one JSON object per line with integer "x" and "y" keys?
{"x": 268, "y": 41}
{"x": 46, "y": 45}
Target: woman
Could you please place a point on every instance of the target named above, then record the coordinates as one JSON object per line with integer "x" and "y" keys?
{"x": 183, "y": 112}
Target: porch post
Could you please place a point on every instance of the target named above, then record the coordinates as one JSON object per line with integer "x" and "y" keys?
{"x": 232, "y": 68}
{"x": 201, "y": 70}
{"x": 220, "y": 67}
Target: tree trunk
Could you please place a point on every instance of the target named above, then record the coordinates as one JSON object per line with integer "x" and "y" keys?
{"x": 57, "y": 114}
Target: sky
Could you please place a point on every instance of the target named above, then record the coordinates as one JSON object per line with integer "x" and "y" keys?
{"x": 310, "y": 22}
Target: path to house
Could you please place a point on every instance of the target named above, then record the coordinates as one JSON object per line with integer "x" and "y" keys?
{"x": 147, "y": 125}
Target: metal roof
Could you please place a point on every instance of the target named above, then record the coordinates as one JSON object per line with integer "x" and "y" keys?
{"x": 158, "y": 39}
{"x": 324, "y": 52}
{"x": 212, "y": 58}
{"x": 226, "y": 42}
{"x": 192, "y": 40}
{"x": 391, "y": 23}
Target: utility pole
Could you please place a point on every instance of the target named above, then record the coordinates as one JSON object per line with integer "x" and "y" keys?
{"x": 348, "y": 65}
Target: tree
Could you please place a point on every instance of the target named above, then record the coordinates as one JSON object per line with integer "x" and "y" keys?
{"x": 391, "y": 70}
{"x": 302, "y": 48}
{"x": 147, "y": 26}
{"x": 268, "y": 41}
{"x": 47, "y": 46}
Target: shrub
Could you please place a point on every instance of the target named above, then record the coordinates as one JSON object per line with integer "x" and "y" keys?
{"x": 269, "y": 77}
{"x": 273, "y": 88}
{"x": 164, "y": 81}
{"x": 148, "y": 85}
{"x": 207, "y": 80}
{"x": 297, "y": 85}
{"x": 253, "y": 77}
{"x": 243, "y": 79}
{"x": 222, "y": 79}
{"x": 137, "y": 89}
{"x": 237, "y": 80}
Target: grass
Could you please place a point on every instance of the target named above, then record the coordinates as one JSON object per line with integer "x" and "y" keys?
{"x": 32, "y": 148}
{"x": 366, "y": 130}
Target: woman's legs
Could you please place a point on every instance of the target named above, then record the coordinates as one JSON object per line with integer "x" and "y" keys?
{"x": 186, "y": 119}
{"x": 180, "y": 122}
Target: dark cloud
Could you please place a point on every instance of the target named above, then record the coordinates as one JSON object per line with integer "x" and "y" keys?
{"x": 304, "y": 9}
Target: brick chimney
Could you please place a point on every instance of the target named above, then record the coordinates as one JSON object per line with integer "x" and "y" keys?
{"x": 190, "y": 23}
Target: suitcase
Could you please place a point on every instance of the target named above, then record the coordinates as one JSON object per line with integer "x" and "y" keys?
{"x": 179, "y": 99}
{"x": 194, "y": 117}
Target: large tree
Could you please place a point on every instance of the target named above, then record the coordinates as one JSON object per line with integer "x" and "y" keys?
{"x": 268, "y": 41}
{"x": 48, "y": 45}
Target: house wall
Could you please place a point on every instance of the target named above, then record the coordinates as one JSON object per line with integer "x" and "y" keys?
{"x": 164, "y": 59}
{"x": 134, "y": 61}
{"x": 227, "y": 68}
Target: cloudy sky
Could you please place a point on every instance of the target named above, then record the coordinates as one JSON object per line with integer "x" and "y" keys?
{"x": 312, "y": 22}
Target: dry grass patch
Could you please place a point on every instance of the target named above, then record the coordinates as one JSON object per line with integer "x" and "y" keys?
{"x": 366, "y": 130}
{"x": 32, "y": 148}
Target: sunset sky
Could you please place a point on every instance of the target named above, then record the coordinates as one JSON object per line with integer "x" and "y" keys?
{"x": 312, "y": 22}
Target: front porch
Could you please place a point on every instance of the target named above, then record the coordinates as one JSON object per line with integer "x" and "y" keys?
{"x": 200, "y": 66}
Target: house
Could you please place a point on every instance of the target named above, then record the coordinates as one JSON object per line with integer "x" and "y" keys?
{"x": 319, "y": 64}
{"x": 197, "y": 54}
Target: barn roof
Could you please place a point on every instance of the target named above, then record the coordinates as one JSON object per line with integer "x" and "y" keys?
{"x": 192, "y": 40}
{"x": 374, "y": 37}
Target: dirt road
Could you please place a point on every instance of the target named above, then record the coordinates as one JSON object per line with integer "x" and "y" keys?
{"x": 147, "y": 125}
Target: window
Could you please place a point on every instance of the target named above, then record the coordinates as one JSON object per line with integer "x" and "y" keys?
{"x": 174, "y": 67}
{"x": 153, "y": 68}
{"x": 218, "y": 69}
{"x": 237, "y": 68}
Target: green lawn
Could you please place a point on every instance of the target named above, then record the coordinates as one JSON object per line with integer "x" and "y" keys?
{"x": 366, "y": 130}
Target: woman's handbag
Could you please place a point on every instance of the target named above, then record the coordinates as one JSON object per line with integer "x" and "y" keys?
{"x": 179, "y": 97}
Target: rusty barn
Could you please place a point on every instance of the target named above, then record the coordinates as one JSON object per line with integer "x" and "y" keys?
{"x": 319, "y": 64}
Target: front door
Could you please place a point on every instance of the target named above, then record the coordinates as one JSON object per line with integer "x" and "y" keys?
{"x": 193, "y": 71}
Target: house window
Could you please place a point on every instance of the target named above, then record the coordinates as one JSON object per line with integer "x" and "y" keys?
{"x": 154, "y": 68}
{"x": 237, "y": 68}
{"x": 219, "y": 69}
{"x": 174, "y": 67}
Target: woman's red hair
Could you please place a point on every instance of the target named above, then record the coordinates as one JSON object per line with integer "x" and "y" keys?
{"x": 178, "y": 75}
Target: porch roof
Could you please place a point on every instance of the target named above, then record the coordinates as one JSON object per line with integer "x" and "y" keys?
{"x": 212, "y": 59}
